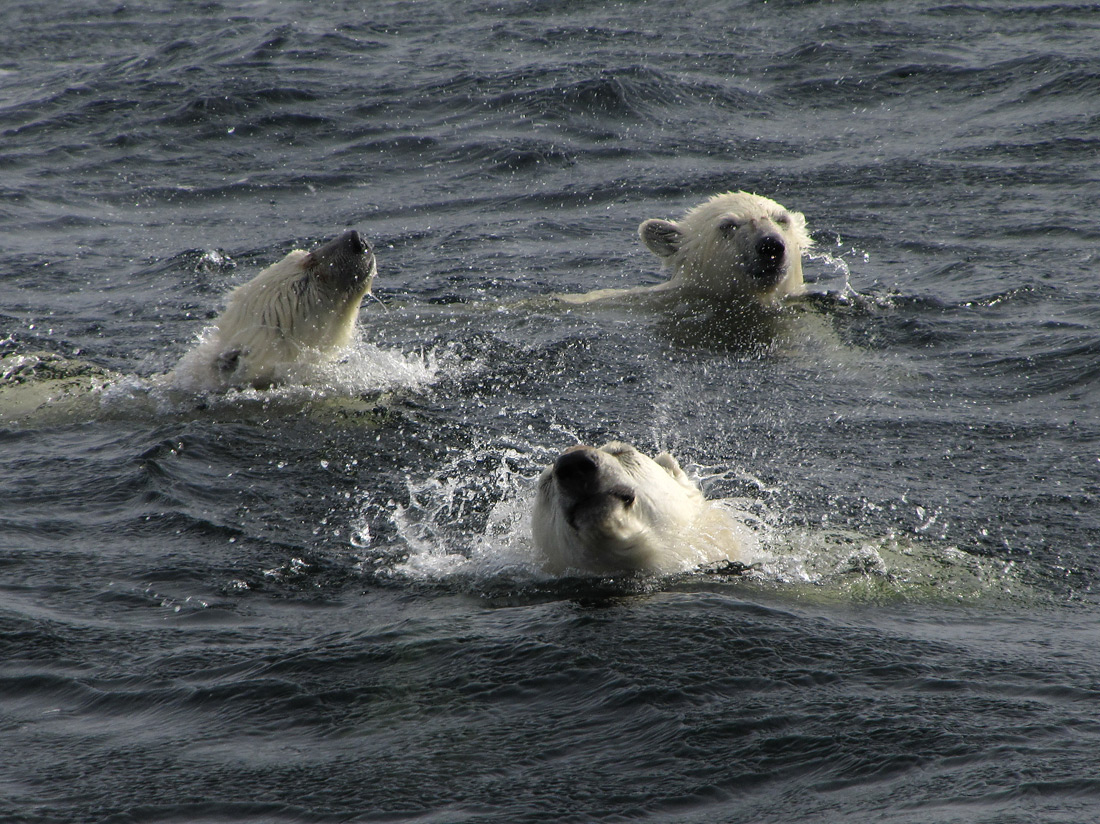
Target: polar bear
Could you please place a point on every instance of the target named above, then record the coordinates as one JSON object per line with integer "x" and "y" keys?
{"x": 614, "y": 510}
{"x": 737, "y": 247}
{"x": 734, "y": 250}
{"x": 297, "y": 312}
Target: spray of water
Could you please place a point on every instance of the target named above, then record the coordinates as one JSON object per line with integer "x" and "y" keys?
{"x": 468, "y": 522}
{"x": 468, "y": 525}
{"x": 838, "y": 262}
{"x": 363, "y": 371}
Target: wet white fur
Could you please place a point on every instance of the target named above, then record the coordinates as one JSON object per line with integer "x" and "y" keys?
{"x": 710, "y": 259}
{"x": 271, "y": 326}
{"x": 670, "y": 526}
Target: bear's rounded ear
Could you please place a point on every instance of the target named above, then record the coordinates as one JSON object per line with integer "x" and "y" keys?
{"x": 798, "y": 224}
{"x": 662, "y": 237}
{"x": 671, "y": 466}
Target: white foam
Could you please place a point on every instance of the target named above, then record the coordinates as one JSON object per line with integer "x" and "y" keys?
{"x": 838, "y": 263}
{"x": 467, "y": 523}
{"x": 362, "y": 370}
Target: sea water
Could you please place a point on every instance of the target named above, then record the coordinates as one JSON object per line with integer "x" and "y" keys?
{"x": 320, "y": 603}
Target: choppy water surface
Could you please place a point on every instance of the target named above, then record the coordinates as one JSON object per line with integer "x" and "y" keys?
{"x": 319, "y": 603}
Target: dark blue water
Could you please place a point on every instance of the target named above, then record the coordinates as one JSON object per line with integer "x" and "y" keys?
{"x": 317, "y": 604}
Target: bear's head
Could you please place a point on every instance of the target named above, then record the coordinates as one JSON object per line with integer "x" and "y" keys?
{"x": 293, "y": 314}
{"x": 311, "y": 298}
{"x": 611, "y": 509}
{"x": 735, "y": 247}
{"x": 307, "y": 304}
{"x": 343, "y": 268}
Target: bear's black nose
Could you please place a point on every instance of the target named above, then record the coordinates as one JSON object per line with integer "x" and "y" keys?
{"x": 770, "y": 249}
{"x": 576, "y": 472}
{"x": 352, "y": 242}
{"x": 349, "y": 244}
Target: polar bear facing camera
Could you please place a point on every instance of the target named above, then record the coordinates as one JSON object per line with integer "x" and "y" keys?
{"x": 614, "y": 510}
{"x": 735, "y": 250}
{"x": 297, "y": 312}
{"x": 736, "y": 247}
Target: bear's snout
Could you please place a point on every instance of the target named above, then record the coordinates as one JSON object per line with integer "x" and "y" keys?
{"x": 770, "y": 249}
{"x": 341, "y": 251}
{"x": 767, "y": 266}
{"x": 345, "y": 262}
{"x": 590, "y": 499}
{"x": 355, "y": 243}
{"x": 349, "y": 243}
{"x": 576, "y": 472}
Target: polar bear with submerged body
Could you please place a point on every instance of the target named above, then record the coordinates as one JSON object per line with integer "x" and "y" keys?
{"x": 281, "y": 326}
{"x": 287, "y": 320}
{"x": 614, "y": 510}
{"x": 737, "y": 250}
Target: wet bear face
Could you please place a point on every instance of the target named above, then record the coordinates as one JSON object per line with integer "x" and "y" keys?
{"x": 611, "y": 509}
{"x": 734, "y": 247}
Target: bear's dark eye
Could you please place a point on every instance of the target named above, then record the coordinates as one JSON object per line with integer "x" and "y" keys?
{"x": 728, "y": 225}
{"x": 624, "y": 494}
{"x": 783, "y": 220}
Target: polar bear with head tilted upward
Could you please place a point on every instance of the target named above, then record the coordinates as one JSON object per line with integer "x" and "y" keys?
{"x": 297, "y": 312}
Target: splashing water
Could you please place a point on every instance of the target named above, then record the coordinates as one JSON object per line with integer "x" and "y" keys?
{"x": 44, "y": 389}
{"x": 467, "y": 523}
{"x": 839, "y": 265}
